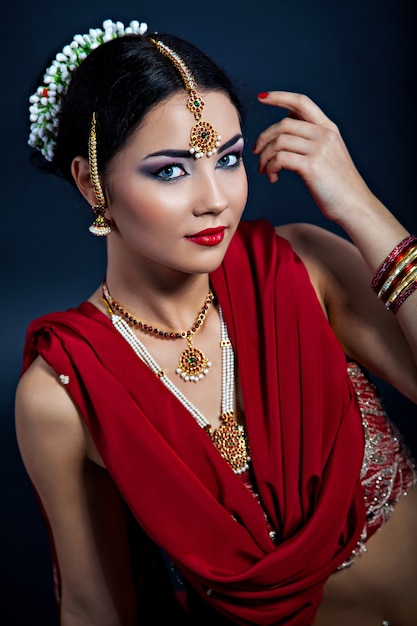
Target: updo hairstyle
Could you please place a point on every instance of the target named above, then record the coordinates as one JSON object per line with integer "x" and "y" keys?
{"x": 121, "y": 81}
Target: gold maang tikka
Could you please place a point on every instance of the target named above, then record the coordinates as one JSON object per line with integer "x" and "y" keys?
{"x": 101, "y": 226}
{"x": 204, "y": 139}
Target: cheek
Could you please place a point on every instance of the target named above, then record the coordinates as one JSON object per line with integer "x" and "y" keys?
{"x": 143, "y": 206}
{"x": 238, "y": 192}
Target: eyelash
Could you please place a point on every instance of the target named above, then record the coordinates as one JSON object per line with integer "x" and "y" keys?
{"x": 239, "y": 159}
{"x": 172, "y": 166}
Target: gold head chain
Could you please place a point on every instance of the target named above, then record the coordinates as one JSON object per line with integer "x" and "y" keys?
{"x": 204, "y": 139}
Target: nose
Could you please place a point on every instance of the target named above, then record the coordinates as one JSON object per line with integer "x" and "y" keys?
{"x": 211, "y": 196}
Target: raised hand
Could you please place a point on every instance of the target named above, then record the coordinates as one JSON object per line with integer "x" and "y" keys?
{"x": 309, "y": 143}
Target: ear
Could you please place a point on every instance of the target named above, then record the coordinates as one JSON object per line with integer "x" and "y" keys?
{"x": 80, "y": 171}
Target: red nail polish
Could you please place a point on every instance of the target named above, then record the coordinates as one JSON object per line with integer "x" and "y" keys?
{"x": 263, "y": 95}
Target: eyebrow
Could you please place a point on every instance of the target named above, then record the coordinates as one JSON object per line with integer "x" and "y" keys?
{"x": 185, "y": 154}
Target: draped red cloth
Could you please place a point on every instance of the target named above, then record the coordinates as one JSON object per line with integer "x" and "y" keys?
{"x": 303, "y": 425}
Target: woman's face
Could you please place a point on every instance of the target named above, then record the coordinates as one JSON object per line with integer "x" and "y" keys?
{"x": 167, "y": 207}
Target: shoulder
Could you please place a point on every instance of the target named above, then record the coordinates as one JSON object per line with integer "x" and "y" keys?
{"x": 40, "y": 391}
{"x": 330, "y": 259}
{"x": 317, "y": 248}
{"x": 309, "y": 240}
{"x": 48, "y": 425}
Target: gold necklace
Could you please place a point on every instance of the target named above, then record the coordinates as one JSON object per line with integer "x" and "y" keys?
{"x": 230, "y": 438}
{"x": 193, "y": 364}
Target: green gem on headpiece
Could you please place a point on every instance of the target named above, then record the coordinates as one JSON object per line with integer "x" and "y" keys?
{"x": 204, "y": 140}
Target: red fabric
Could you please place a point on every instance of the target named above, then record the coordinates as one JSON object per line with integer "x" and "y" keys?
{"x": 303, "y": 424}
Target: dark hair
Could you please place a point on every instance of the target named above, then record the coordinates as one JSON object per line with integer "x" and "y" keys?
{"x": 121, "y": 81}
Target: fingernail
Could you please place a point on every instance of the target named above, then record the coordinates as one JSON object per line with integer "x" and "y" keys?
{"x": 263, "y": 95}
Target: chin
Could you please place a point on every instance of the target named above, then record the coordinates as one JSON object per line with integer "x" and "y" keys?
{"x": 210, "y": 265}
{"x": 204, "y": 267}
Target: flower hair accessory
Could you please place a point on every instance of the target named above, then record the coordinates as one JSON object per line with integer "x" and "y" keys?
{"x": 45, "y": 103}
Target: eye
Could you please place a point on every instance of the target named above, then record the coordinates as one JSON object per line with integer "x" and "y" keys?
{"x": 230, "y": 161}
{"x": 170, "y": 172}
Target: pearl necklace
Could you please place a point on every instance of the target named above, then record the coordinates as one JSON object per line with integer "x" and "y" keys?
{"x": 193, "y": 364}
{"x": 230, "y": 438}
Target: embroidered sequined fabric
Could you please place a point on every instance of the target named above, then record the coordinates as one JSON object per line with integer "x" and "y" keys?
{"x": 388, "y": 469}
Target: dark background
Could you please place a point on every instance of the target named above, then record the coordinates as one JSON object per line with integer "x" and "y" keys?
{"x": 355, "y": 59}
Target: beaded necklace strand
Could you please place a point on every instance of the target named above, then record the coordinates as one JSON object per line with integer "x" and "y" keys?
{"x": 229, "y": 438}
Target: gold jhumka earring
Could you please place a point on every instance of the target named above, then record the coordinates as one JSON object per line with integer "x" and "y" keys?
{"x": 204, "y": 139}
{"x": 101, "y": 226}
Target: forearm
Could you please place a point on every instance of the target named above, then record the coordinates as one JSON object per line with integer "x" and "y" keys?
{"x": 308, "y": 143}
{"x": 376, "y": 232}
{"x": 373, "y": 229}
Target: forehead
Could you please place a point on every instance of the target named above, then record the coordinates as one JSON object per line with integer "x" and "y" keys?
{"x": 168, "y": 124}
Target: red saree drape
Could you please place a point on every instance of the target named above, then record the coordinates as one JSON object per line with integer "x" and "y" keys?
{"x": 303, "y": 425}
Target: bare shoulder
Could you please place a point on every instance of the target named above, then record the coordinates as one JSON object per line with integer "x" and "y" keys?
{"x": 48, "y": 426}
{"x": 42, "y": 401}
{"x": 331, "y": 260}
{"x": 336, "y": 268}
{"x": 296, "y": 232}
{"x": 312, "y": 242}
{"x": 329, "y": 257}
{"x": 325, "y": 255}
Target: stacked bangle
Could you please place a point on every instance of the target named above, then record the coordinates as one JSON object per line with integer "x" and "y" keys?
{"x": 396, "y": 277}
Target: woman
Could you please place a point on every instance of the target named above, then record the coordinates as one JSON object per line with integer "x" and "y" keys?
{"x": 200, "y": 444}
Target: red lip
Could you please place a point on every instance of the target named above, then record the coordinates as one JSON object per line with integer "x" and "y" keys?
{"x": 208, "y": 237}
{"x": 208, "y": 232}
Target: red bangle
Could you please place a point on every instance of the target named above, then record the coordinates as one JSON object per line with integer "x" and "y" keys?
{"x": 397, "y": 280}
{"x": 401, "y": 298}
{"x": 386, "y": 265}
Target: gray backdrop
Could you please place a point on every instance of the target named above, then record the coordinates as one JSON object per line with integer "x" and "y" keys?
{"x": 356, "y": 59}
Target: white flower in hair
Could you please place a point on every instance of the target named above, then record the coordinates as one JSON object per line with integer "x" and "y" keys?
{"x": 45, "y": 103}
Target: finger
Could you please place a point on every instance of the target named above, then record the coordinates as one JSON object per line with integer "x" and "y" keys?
{"x": 285, "y": 143}
{"x": 299, "y": 104}
{"x": 288, "y": 126}
{"x": 284, "y": 161}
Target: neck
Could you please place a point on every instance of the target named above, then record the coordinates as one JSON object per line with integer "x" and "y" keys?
{"x": 171, "y": 302}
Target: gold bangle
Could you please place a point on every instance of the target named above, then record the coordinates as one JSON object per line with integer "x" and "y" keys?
{"x": 405, "y": 283}
{"x": 409, "y": 257}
